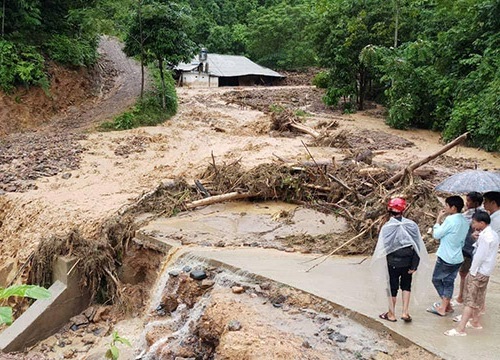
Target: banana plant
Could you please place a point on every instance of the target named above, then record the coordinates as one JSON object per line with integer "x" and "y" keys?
{"x": 29, "y": 291}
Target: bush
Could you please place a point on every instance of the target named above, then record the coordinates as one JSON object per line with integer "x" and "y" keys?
{"x": 72, "y": 51}
{"x": 148, "y": 110}
{"x": 321, "y": 80}
{"x": 20, "y": 65}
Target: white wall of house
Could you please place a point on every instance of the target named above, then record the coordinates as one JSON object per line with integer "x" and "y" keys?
{"x": 197, "y": 79}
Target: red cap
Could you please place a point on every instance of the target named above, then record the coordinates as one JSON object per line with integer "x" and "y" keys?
{"x": 397, "y": 205}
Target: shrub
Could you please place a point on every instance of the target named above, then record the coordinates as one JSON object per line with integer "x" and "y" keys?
{"x": 148, "y": 110}
{"x": 321, "y": 80}
{"x": 20, "y": 65}
{"x": 72, "y": 51}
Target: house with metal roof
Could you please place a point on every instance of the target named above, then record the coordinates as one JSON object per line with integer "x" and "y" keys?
{"x": 214, "y": 70}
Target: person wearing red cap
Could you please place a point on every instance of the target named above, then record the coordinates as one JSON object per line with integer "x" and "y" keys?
{"x": 399, "y": 251}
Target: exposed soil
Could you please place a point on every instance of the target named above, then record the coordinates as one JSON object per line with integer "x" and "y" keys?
{"x": 60, "y": 175}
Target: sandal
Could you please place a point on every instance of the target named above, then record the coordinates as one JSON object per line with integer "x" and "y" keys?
{"x": 385, "y": 316}
{"x": 454, "y": 332}
{"x": 470, "y": 326}
{"x": 406, "y": 319}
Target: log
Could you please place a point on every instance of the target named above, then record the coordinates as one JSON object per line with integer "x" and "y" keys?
{"x": 371, "y": 171}
{"x": 218, "y": 199}
{"x": 305, "y": 129}
{"x": 412, "y": 167}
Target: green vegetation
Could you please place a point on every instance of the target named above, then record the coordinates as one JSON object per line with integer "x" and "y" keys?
{"x": 148, "y": 110}
{"x": 112, "y": 352}
{"x": 29, "y": 291}
{"x": 433, "y": 64}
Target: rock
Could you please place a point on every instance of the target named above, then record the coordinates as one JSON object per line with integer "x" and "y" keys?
{"x": 68, "y": 354}
{"x": 234, "y": 325}
{"x": 237, "y": 289}
{"x": 220, "y": 244}
{"x": 88, "y": 340}
{"x": 205, "y": 284}
{"x": 173, "y": 273}
{"x": 79, "y": 321}
{"x": 265, "y": 286}
{"x": 198, "y": 275}
{"x": 66, "y": 176}
{"x": 305, "y": 344}
{"x": 186, "y": 268}
{"x": 337, "y": 337}
{"x": 169, "y": 304}
{"x": 89, "y": 313}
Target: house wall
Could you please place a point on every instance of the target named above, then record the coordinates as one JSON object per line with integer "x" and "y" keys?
{"x": 198, "y": 79}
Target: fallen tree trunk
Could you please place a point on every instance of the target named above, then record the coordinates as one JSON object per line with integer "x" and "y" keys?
{"x": 419, "y": 163}
{"x": 218, "y": 199}
{"x": 305, "y": 129}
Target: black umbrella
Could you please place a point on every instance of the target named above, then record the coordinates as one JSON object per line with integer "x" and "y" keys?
{"x": 471, "y": 180}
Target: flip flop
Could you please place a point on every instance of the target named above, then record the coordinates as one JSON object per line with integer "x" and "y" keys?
{"x": 457, "y": 318}
{"x": 470, "y": 326}
{"x": 433, "y": 310}
{"x": 406, "y": 319}
{"x": 385, "y": 317}
{"x": 454, "y": 332}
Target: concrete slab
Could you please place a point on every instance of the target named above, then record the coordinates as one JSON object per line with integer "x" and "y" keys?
{"x": 45, "y": 317}
{"x": 345, "y": 282}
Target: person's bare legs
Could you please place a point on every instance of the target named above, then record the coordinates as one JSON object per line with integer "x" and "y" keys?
{"x": 466, "y": 315}
{"x": 406, "y": 303}
{"x": 391, "y": 314}
{"x": 460, "y": 297}
{"x": 476, "y": 317}
{"x": 444, "y": 306}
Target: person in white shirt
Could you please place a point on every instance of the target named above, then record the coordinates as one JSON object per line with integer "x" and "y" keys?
{"x": 492, "y": 206}
{"x": 476, "y": 282}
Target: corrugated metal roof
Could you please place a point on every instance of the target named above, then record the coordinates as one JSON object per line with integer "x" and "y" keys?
{"x": 229, "y": 66}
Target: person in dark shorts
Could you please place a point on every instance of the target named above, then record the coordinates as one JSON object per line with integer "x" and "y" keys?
{"x": 401, "y": 246}
{"x": 473, "y": 202}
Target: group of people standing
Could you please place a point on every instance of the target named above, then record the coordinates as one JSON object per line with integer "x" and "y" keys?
{"x": 468, "y": 245}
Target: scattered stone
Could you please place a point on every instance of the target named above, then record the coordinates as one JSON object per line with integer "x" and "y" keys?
{"x": 169, "y": 304}
{"x": 98, "y": 331}
{"x": 234, "y": 325}
{"x": 305, "y": 344}
{"x": 265, "y": 286}
{"x": 88, "y": 340}
{"x": 337, "y": 337}
{"x": 198, "y": 275}
{"x": 237, "y": 289}
{"x": 173, "y": 273}
{"x": 323, "y": 317}
{"x": 220, "y": 244}
{"x": 66, "y": 176}
{"x": 205, "y": 284}
{"x": 68, "y": 354}
{"x": 186, "y": 268}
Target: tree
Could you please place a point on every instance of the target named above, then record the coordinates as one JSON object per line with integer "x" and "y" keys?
{"x": 278, "y": 36}
{"x": 158, "y": 32}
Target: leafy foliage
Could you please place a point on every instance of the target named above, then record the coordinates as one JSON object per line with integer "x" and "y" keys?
{"x": 30, "y": 291}
{"x": 20, "y": 64}
{"x": 113, "y": 352}
{"x": 148, "y": 110}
